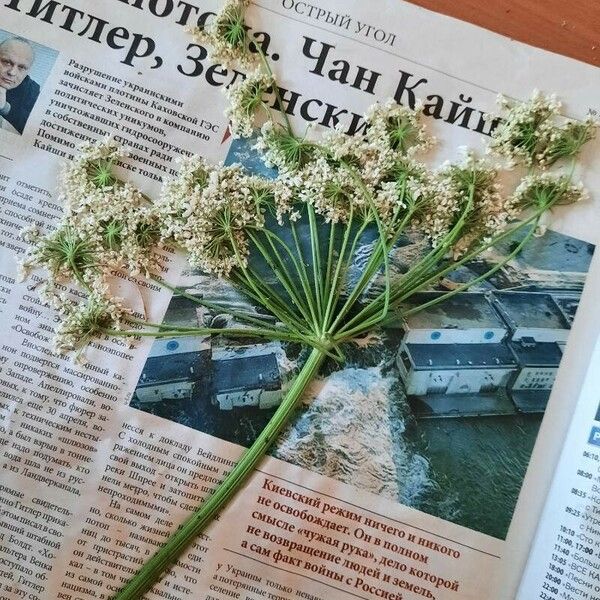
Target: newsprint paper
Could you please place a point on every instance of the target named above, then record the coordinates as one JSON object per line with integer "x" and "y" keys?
{"x": 383, "y": 487}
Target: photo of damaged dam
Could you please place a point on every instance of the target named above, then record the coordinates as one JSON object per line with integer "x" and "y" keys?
{"x": 232, "y": 376}
{"x": 439, "y": 411}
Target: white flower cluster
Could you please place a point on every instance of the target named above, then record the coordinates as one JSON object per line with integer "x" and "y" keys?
{"x": 283, "y": 151}
{"x": 245, "y": 97}
{"x": 349, "y": 174}
{"x": 208, "y": 212}
{"x": 81, "y": 322}
{"x": 484, "y": 210}
{"x": 331, "y": 189}
{"x": 226, "y": 36}
{"x": 538, "y": 191}
{"x": 566, "y": 141}
{"x": 529, "y": 132}
{"x": 521, "y": 135}
{"x": 399, "y": 127}
{"x": 106, "y": 226}
{"x": 435, "y": 200}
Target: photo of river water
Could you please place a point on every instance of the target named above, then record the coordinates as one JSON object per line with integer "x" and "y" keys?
{"x": 479, "y": 481}
{"x": 356, "y": 426}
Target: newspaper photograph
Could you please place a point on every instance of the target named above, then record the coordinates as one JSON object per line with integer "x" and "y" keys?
{"x": 465, "y": 382}
{"x": 417, "y": 467}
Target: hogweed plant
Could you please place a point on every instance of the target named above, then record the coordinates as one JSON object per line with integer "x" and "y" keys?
{"x": 291, "y": 243}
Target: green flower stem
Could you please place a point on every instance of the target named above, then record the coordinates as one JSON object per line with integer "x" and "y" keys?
{"x": 336, "y": 284}
{"x": 267, "y": 297}
{"x": 483, "y": 277}
{"x": 378, "y": 256}
{"x": 167, "y": 555}
{"x": 195, "y": 332}
{"x": 402, "y": 294}
{"x": 269, "y": 300}
{"x": 304, "y": 276}
{"x": 211, "y": 305}
{"x": 421, "y": 278}
{"x": 429, "y": 262}
{"x": 275, "y": 335}
{"x": 327, "y": 284}
{"x": 423, "y": 267}
{"x": 368, "y": 314}
{"x": 282, "y": 273}
{"x": 288, "y": 124}
{"x": 399, "y": 228}
{"x": 407, "y": 292}
{"x": 315, "y": 248}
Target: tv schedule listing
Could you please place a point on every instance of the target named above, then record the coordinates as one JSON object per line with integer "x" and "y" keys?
{"x": 574, "y": 562}
{"x": 564, "y": 561}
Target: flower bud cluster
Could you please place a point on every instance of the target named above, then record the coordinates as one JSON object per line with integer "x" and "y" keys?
{"x": 83, "y": 321}
{"x": 245, "y": 96}
{"x": 226, "y": 36}
{"x": 530, "y": 133}
{"x": 208, "y": 211}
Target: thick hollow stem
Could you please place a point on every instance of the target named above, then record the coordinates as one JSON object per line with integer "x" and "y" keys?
{"x": 168, "y": 554}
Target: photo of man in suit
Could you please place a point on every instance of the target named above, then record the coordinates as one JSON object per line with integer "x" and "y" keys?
{"x": 18, "y": 92}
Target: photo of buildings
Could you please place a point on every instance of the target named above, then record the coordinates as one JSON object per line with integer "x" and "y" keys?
{"x": 205, "y": 379}
{"x": 438, "y": 411}
{"x": 483, "y": 353}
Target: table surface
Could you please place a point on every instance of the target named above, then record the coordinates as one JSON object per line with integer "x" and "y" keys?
{"x": 569, "y": 27}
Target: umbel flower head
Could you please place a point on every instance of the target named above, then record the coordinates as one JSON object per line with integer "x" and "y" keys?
{"x": 399, "y": 126}
{"x": 539, "y": 191}
{"x": 226, "y": 36}
{"x": 107, "y": 226}
{"x": 566, "y": 141}
{"x": 480, "y": 209}
{"x": 208, "y": 211}
{"x": 245, "y": 97}
{"x": 282, "y": 149}
{"x": 108, "y": 213}
{"x": 84, "y": 321}
{"x": 530, "y": 134}
{"x": 90, "y": 176}
{"x": 65, "y": 253}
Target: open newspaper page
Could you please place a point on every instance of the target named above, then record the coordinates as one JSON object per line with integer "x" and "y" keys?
{"x": 405, "y": 474}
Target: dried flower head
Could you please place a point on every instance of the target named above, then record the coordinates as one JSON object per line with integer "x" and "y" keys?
{"x": 525, "y": 129}
{"x": 484, "y": 213}
{"x": 210, "y": 220}
{"x": 227, "y": 36}
{"x": 101, "y": 173}
{"x": 84, "y": 321}
{"x": 399, "y": 126}
{"x": 434, "y": 203}
{"x": 64, "y": 253}
{"x": 546, "y": 190}
{"x": 393, "y": 133}
{"x": 285, "y": 151}
{"x": 331, "y": 189}
{"x": 245, "y": 97}
{"x": 566, "y": 141}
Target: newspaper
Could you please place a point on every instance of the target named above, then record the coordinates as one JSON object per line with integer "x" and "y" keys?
{"x": 377, "y": 490}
